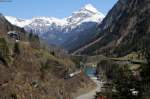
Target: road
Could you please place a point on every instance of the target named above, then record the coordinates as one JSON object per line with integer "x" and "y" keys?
{"x": 91, "y": 94}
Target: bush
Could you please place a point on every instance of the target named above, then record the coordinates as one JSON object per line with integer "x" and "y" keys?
{"x": 13, "y": 96}
{"x": 52, "y": 53}
{"x": 4, "y": 51}
{"x": 16, "y": 48}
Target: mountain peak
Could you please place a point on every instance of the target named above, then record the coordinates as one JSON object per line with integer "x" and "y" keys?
{"x": 90, "y": 7}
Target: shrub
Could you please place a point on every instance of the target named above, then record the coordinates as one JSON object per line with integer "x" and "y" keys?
{"x": 52, "y": 53}
{"x": 4, "y": 51}
{"x": 16, "y": 48}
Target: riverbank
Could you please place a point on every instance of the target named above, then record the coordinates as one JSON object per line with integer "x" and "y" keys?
{"x": 91, "y": 94}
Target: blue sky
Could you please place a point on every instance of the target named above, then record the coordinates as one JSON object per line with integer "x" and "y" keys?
{"x": 53, "y": 8}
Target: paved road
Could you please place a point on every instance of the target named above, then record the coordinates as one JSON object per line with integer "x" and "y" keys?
{"x": 91, "y": 94}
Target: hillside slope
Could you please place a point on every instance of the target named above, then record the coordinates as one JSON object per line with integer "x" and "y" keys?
{"x": 29, "y": 71}
{"x": 121, "y": 30}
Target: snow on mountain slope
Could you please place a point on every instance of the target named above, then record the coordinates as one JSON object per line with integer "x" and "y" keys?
{"x": 48, "y": 21}
{"x": 92, "y": 9}
{"x": 36, "y": 20}
{"x": 86, "y": 14}
{"x": 18, "y": 21}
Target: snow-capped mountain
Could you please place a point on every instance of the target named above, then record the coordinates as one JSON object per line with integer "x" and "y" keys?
{"x": 57, "y": 31}
{"x": 86, "y": 14}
